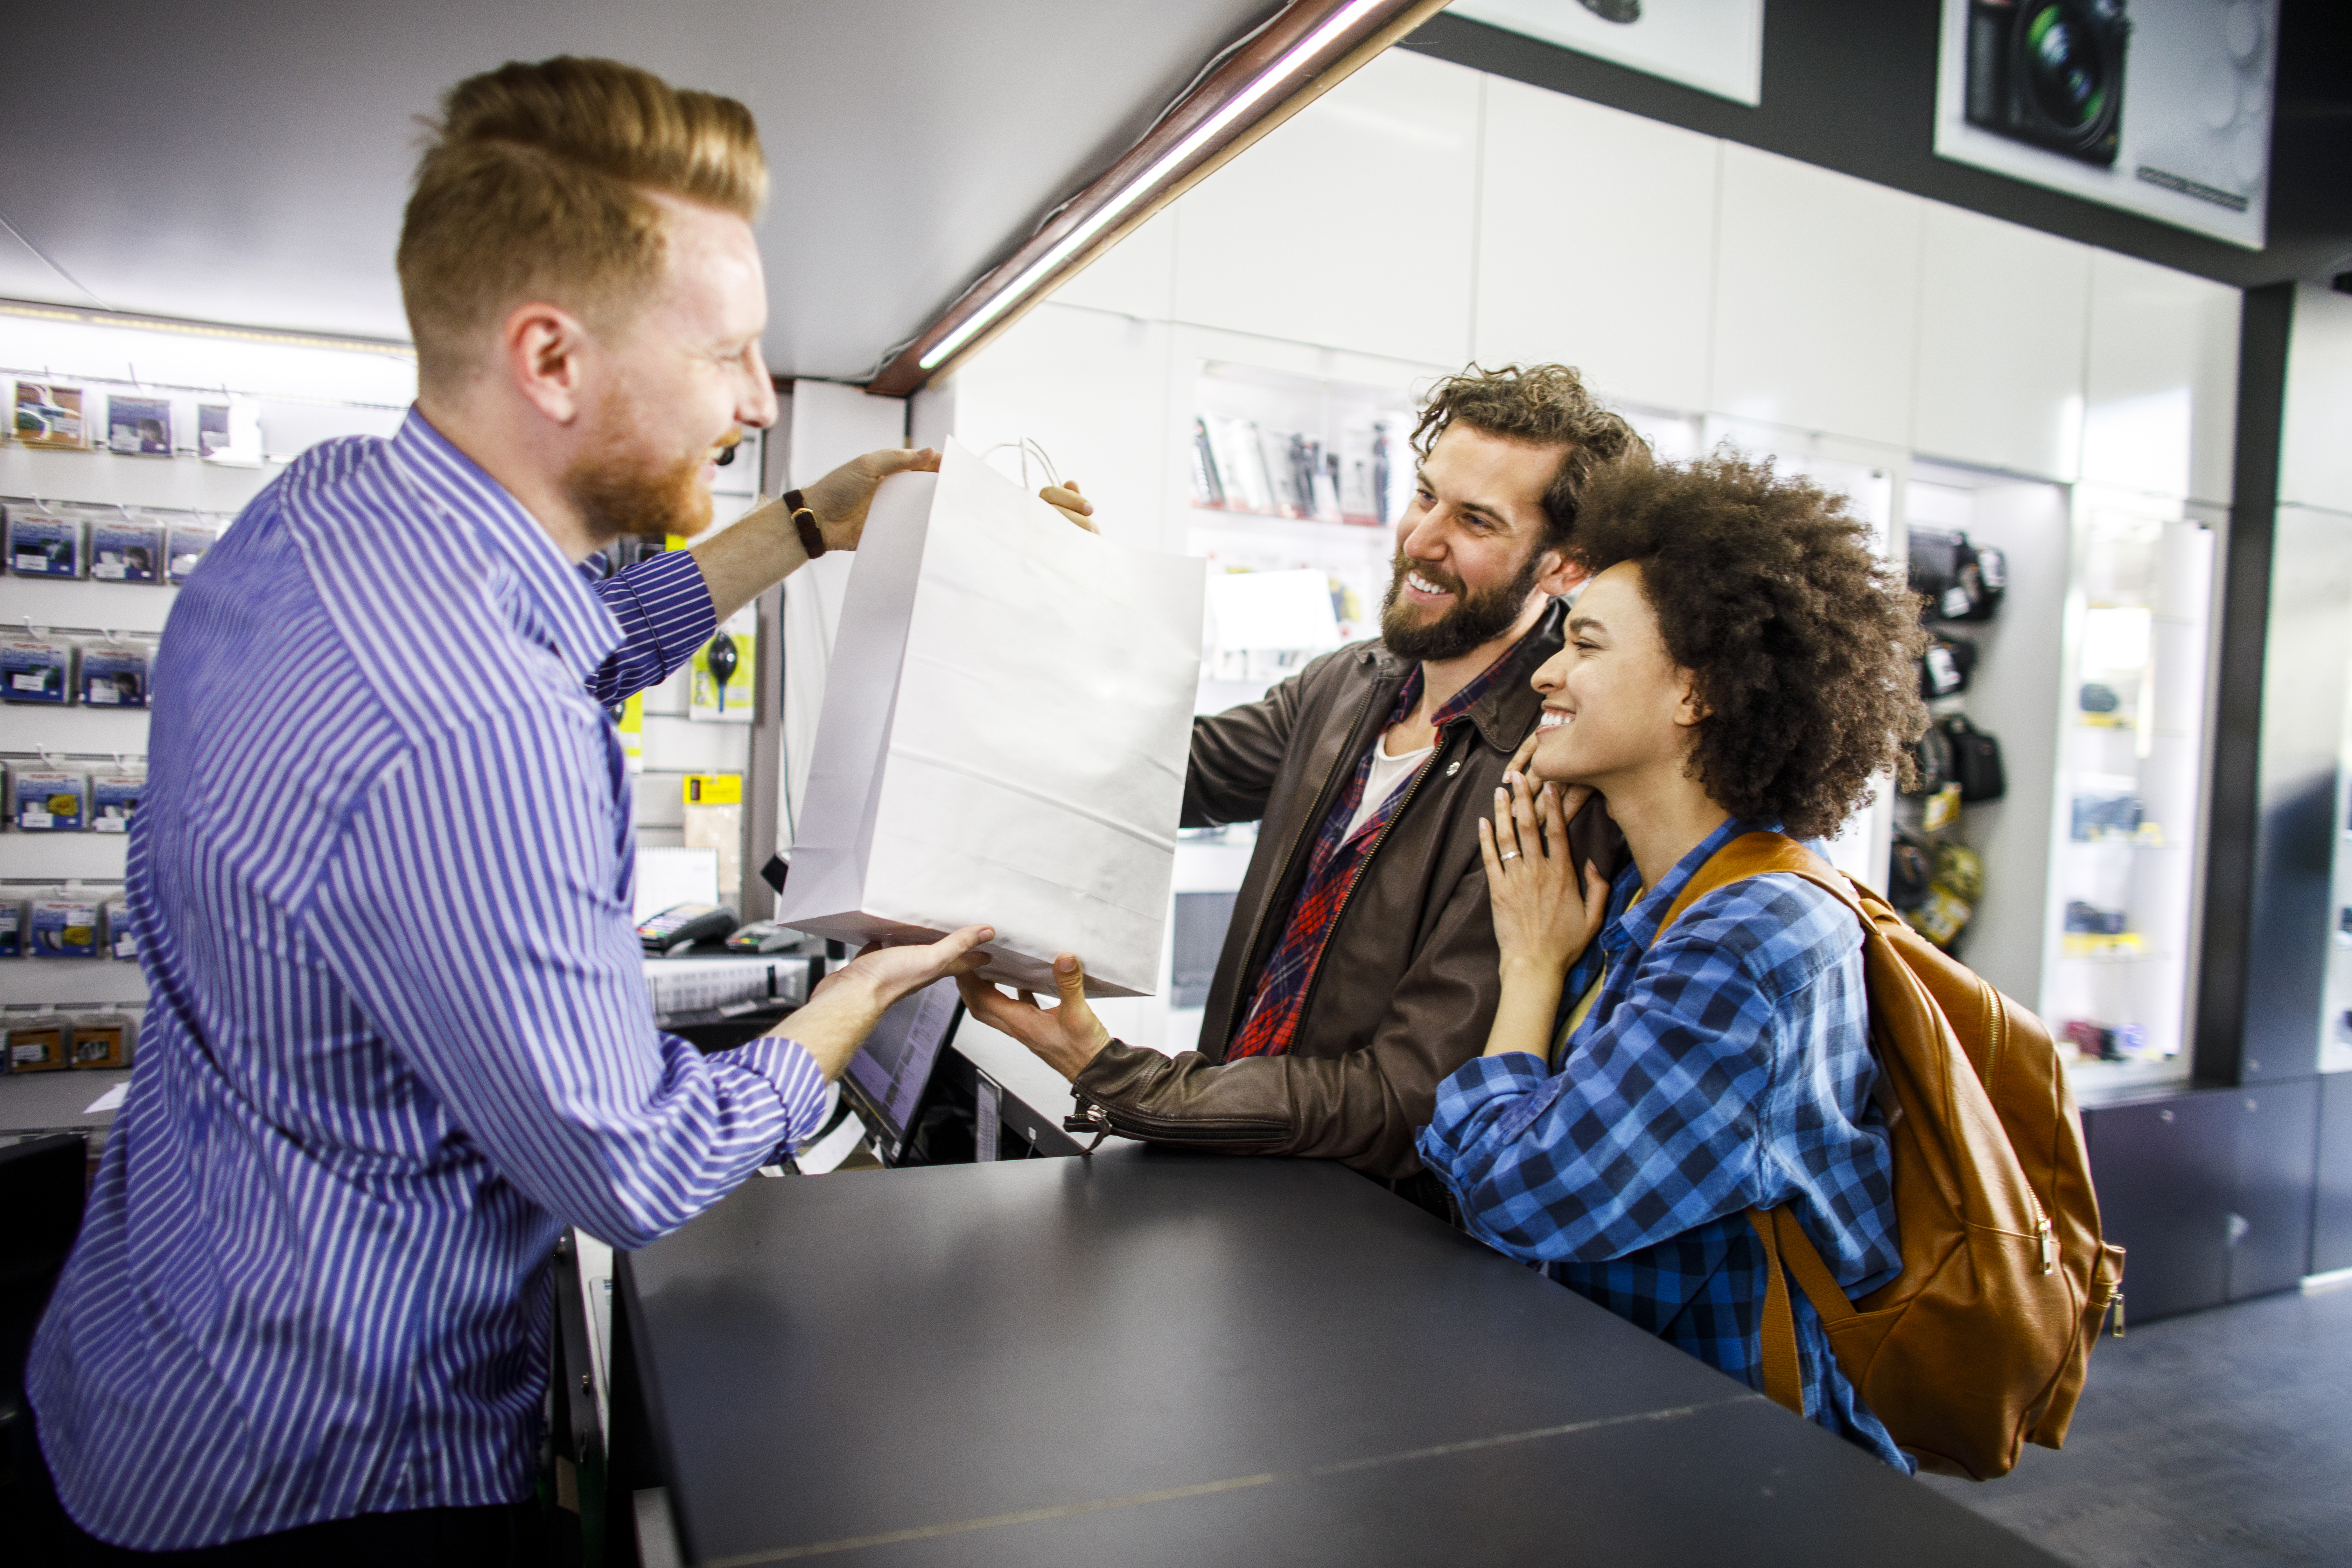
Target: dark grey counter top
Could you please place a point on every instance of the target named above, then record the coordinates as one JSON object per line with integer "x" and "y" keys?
{"x": 1149, "y": 1358}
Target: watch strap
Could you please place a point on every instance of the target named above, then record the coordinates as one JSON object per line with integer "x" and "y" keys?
{"x": 805, "y": 520}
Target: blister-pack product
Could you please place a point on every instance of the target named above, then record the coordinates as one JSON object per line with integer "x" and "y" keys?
{"x": 12, "y": 927}
{"x": 113, "y": 799}
{"x": 37, "y": 1043}
{"x": 127, "y": 550}
{"x": 138, "y": 426}
{"x": 64, "y": 925}
{"x": 100, "y": 1040}
{"x": 121, "y": 934}
{"x": 188, "y": 542}
{"x": 113, "y": 674}
{"x": 48, "y": 414}
{"x": 36, "y": 669}
{"x": 44, "y": 544}
{"x": 48, "y": 802}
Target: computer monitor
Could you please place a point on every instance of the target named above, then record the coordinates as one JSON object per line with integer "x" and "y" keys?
{"x": 888, "y": 1077}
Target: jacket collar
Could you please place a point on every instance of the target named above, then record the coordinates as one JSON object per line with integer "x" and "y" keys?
{"x": 550, "y": 603}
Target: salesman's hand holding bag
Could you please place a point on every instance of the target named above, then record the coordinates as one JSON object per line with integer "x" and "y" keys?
{"x": 1006, "y": 721}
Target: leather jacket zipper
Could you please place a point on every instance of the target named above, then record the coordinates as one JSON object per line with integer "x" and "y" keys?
{"x": 1314, "y": 818}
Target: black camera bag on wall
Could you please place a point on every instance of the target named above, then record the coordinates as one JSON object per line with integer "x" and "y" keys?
{"x": 1931, "y": 754}
{"x": 1975, "y": 760}
{"x": 1945, "y": 667}
{"x": 1960, "y": 581}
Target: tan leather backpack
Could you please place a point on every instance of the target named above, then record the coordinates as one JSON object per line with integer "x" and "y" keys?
{"x": 1979, "y": 1346}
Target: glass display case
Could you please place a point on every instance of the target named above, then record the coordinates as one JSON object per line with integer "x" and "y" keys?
{"x": 1291, "y": 481}
{"x": 2121, "y": 922}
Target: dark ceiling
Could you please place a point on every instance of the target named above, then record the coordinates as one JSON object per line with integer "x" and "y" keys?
{"x": 247, "y": 160}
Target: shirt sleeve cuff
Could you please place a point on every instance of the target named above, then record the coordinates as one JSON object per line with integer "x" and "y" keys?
{"x": 799, "y": 1085}
{"x": 1479, "y": 1082}
{"x": 671, "y": 603}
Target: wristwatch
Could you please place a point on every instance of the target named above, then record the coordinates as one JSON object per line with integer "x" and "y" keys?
{"x": 811, "y": 539}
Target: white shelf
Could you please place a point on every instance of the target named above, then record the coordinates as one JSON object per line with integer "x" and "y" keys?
{"x": 71, "y": 983}
{"x": 36, "y": 1101}
{"x": 2094, "y": 1079}
{"x": 57, "y": 856}
{"x": 85, "y": 733}
{"x": 85, "y": 603}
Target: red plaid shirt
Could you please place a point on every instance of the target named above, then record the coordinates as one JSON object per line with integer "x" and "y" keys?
{"x": 1283, "y": 982}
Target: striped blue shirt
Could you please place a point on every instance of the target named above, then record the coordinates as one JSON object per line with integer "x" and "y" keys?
{"x": 399, "y": 1034}
{"x": 1725, "y": 1064}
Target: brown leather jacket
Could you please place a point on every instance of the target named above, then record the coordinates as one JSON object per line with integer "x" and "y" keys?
{"x": 1406, "y": 988}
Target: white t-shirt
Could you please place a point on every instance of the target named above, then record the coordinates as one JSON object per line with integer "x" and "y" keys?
{"x": 1389, "y": 774}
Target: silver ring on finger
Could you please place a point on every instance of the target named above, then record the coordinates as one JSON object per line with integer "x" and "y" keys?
{"x": 1511, "y": 854}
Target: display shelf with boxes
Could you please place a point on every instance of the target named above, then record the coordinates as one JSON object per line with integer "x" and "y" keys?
{"x": 131, "y": 446}
{"x": 1988, "y": 553}
{"x": 2136, "y": 672}
{"x": 1294, "y": 487}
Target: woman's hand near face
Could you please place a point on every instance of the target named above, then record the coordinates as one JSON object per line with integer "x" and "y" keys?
{"x": 1543, "y": 918}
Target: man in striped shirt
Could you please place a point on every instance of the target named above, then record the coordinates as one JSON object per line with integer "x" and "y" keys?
{"x": 399, "y": 1035}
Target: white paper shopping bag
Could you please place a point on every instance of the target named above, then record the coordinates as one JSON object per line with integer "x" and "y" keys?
{"x": 1006, "y": 721}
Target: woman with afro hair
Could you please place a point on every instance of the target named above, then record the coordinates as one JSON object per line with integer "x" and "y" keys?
{"x": 1739, "y": 662}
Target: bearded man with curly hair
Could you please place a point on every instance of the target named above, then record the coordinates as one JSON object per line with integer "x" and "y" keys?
{"x": 1359, "y": 967}
{"x": 1741, "y": 663}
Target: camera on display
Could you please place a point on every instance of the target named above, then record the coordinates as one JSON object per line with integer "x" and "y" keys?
{"x": 2050, "y": 72}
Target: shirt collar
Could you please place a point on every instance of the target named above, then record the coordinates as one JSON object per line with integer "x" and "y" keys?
{"x": 1469, "y": 696}
{"x": 1637, "y": 927}
{"x": 552, "y": 604}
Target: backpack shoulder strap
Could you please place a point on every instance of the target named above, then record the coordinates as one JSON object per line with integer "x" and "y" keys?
{"x": 1754, "y": 855}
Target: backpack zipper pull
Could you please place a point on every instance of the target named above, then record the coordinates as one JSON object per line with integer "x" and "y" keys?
{"x": 2117, "y": 1301}
{"x": 2049, "y": 1252}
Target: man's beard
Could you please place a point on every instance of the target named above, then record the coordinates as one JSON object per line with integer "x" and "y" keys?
{"x": 1474, "y": 620}
{"x": 619, "y": 491}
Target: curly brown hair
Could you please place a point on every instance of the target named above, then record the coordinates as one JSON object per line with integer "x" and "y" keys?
{"x": 1801, "y": 640}
{"x": 1544, "y": 404}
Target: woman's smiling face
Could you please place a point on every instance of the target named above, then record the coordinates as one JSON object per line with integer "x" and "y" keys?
{"x": 1615, "y": 704}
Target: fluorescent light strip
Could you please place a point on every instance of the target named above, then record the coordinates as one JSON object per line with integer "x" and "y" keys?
{"x": 1135, "y": 190}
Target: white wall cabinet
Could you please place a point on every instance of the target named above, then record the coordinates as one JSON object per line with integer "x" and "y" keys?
{"x": 2004, "y": 317}
{"x": 2315, "y": 456}
{"x": 1596, "y": 245}
{"x": 2160, "y": 381}
{"x": 1355, "y": 224}
{"x": 1816, "y": 298}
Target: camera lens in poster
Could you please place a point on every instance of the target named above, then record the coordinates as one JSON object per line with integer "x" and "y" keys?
{"x": 2159, "y": 107}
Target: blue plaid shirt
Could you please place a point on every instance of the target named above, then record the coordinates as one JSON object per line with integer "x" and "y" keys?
{"x": 1723, "y": 1066}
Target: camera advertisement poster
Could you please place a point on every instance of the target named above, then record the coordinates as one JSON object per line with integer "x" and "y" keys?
{"x": 1714, "y": 46}
{"x": 2159, "y": 107}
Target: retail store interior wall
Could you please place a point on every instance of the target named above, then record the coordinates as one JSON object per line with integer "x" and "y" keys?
{"x": 1425, "y": 215}
{"x": 2300, "y": 937}
{"x": 296, "y": 392}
